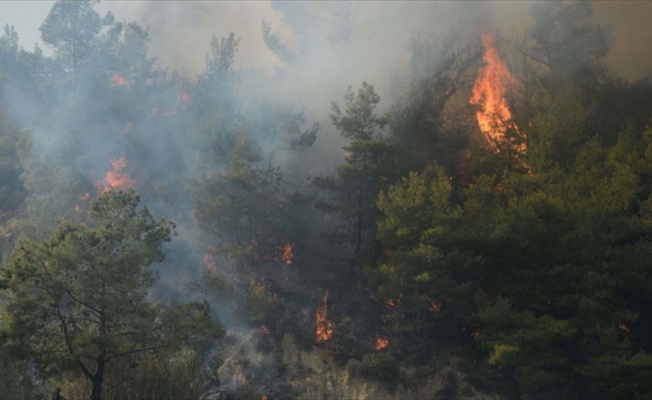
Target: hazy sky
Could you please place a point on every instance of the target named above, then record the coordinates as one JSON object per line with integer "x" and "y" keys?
{"x": 26, "y": 17}
{"x": 628, "y": 21}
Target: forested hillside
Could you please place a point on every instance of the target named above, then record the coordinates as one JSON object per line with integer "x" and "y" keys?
{"x": 483, "y": 229}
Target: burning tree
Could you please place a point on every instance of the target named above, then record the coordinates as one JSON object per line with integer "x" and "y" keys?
{"x": 490, "y": 96}
{"x": 116, "y": 178}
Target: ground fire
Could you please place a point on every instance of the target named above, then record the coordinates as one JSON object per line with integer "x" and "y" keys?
{"x": 116, "y": 178}
{"x": 489, "y": 94}
{"x": 324, "y": 329}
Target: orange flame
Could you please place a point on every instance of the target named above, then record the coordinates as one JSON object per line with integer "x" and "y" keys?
{"x": 391, "y": 303}
{"x": 381, "y": 342}
{"x": 324, "y": 326}
{"x": 287, "y": 254}
{"x": 116, "y": 178}
{"x": 490, "y": 93}
{"x": 623, "y": 327}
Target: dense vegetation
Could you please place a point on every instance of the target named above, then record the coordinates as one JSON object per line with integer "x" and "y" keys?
{"x": 529, "y": 265}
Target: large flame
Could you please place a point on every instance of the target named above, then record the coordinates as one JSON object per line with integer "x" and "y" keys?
{"x": 324, "y": 329}
{"x": 116, "y": 178}
{"x": 490, "y": 94}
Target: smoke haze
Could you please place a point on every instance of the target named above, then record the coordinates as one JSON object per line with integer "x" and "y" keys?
{"x": 293, "y": 58}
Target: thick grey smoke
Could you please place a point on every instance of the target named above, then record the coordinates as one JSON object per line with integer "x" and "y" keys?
{"x": 182, "y": 30}
{"x": 630, "y": 52}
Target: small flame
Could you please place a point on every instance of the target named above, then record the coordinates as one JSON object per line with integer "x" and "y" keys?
{"x": 118, "y": 80}
{"x": 183, "y": 98}
{"x": 391, "y": 303}
{"x": 470, "y": 331}
{"x": 324, "y": 326}
{"x": 155, "y": 112}
{"x": 623, "y": 327}
{"x": 381, "y": 342}
{"x": 490, "y": 93}
{"x": 84, "y": 196}
{"x": 263, "y": 397}
{"x": 209, "y": 261}
{"x": 264, "y": 329}
{"x": 434, "y": 306}
{"x": 116, "y": 178}
{"x": 287, "y": 254}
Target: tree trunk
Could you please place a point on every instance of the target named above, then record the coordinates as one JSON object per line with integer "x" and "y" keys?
{"x": 98, "y": 379}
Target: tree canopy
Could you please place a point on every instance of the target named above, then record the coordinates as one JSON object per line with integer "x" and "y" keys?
{"x": 77, "y": 300}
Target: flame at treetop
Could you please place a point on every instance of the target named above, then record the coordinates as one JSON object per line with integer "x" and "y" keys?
{"x": 116, "y": 178}
{"x": 489, "y": 93}
{"x": 324, "y": 329}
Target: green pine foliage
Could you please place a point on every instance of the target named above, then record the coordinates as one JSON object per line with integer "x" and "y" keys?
{"x": 76, "y": 301}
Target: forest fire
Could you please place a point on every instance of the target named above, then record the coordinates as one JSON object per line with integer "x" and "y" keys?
{"x": 489, "y": 94}
{"x": 287, "y": 255}
{"x": 381, "y": 342}
{"x": 116, "y": 178}
{"x": 324, "y": 329}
